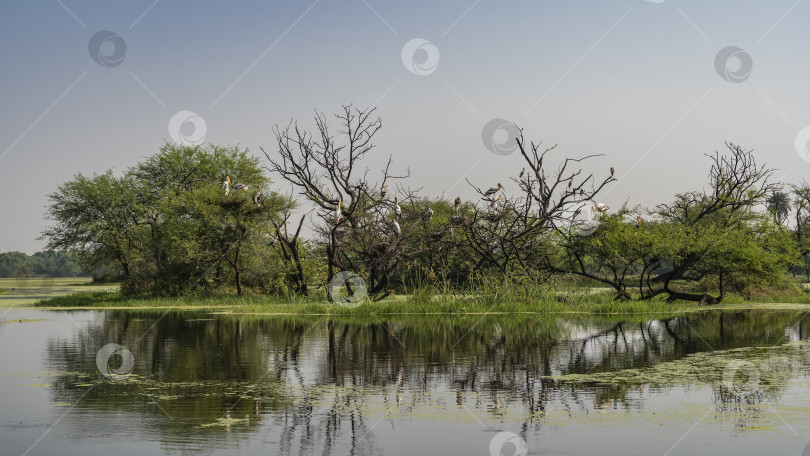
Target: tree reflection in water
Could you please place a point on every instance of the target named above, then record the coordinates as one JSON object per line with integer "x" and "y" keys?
{"x": 319, "y": 383}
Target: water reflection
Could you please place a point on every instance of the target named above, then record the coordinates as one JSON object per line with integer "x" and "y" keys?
{"x": 326, "y": 386}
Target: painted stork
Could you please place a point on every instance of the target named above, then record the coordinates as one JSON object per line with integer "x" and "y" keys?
{"x": 493, "y": 190}
{"x": 257, "y": 198}
{"x": 396, "y": 228}
{"x": 430, "y": 213}
{"x": 457, "y": 205}
{"x": 603, "y": 208}
{"x": 241, "y": 187}
{"x": 494, "y": 204}
{"x": 397, "y": 209}
{"x": 226, "y": 184}
{"x": 382, "y": 191}
{"x": 338, "y": 212}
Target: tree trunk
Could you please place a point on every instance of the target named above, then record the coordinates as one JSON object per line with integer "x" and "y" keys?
{"x": 238, "y": 273}
{"x": 701, "y": 298}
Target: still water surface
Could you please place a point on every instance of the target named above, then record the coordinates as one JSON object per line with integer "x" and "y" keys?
{"x": 191, "y": 383}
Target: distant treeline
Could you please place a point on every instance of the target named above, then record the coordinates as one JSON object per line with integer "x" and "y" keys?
{"x": 18, "y": 264}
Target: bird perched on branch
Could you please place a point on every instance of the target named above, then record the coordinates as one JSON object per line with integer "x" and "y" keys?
{"x": 227, "y": 185}
{"x": 612, "y": 171}
{"x": 257, "y": 198}
{"x": 382, "y": 191}
{"x": 430, "y": 213}
{"x": 338, "y": 212}
{"x": 457, "y": 205}
{"x": 522, "y": 172}
{"x": 241, "y": 187}
{"x": 397, "y": 209}
{"x": 396, "y": 228}
{"x": 495, "y": 202}
{"x": 603, "y": 208}
{"x": 493, "y": 190}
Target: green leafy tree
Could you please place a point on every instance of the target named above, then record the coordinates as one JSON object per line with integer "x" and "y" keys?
{"x": 168, "y": 222}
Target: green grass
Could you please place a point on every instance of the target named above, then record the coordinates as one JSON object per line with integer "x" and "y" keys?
{"x": 487, "y": 297}
{"x": 414, "y": 304}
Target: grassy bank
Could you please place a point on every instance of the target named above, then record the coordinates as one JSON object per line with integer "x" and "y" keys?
{"x": 490, "y": 298}
{"x": 593, "y": 303}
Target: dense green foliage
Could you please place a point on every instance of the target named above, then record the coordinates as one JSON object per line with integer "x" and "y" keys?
{"x": 168, "y": 226}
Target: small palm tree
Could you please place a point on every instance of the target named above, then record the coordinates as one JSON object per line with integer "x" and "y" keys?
{"x": 779, "y": 205}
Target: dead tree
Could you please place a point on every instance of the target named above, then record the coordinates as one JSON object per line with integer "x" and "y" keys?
{"x": 519, "y": 230}
{"x": 327, "y": 170}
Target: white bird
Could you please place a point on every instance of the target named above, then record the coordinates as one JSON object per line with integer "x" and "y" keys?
{"x": 494, "y": 204}
{"x": 493, "y": 190}
{"x": 227, "y": 185}
{"x": 396, "y": 228}
{"x": 338, "y": 212}
{"x": 430, "y": 213}
{"x": 257, "y": 198}
{"x": 603, "y": 208}
{"x": 382, "y": 191}
{"x": 397, "y": 209}
{"x": 241, "y": 187}
{"x": 457, "y": 204}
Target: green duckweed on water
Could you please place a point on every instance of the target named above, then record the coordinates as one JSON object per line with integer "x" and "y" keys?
{"x": 740, "y": 368}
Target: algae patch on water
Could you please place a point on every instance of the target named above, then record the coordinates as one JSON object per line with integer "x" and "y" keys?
{"x": 742, "y": 369}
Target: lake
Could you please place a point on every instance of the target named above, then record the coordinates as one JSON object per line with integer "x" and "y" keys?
{"x": 200, "y": 383}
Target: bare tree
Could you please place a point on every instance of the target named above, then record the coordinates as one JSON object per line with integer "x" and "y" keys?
{"x": 520, "y": 230}
{"x": 327, "y": 170}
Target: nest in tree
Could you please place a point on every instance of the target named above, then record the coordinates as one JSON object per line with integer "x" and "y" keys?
{"x": 457, "y": 220}
{"x": 232, "y": 203}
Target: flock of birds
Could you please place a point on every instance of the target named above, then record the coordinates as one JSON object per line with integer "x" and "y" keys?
{"x": 492, "y": 195}
{"x": 257, "y": 197}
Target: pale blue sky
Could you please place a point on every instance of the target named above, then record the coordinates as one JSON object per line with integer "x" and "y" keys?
{"x": 632, "y": 79}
